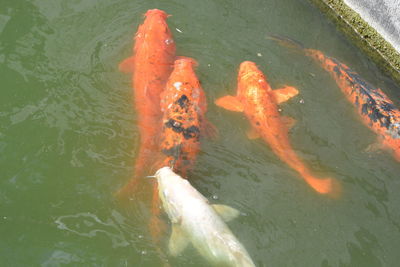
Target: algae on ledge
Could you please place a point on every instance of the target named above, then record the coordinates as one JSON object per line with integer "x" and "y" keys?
{"x": 364, "y": 36}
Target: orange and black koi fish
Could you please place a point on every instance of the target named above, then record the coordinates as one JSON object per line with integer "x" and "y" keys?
{"x": 184, "y": 105}
{"x": 377, "y": 111}
{"x": 151, "y": 65}
{"x": 260, "y": 105}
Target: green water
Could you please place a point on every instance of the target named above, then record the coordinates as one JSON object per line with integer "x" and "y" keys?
{"x": 68, "y": 137}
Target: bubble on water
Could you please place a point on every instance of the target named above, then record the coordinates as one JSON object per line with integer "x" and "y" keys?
{"x": 279, "y": 109}
{"x": 301, "y": 101}
{"x": 215, "y": 197}
{"x": 178, "y": 30}
{"x": 259, "y": 54}
{"x": 143, "y": 252}
{"x": 140, "y": 236}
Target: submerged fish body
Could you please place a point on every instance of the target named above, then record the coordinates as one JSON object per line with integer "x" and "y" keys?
{"x": 259, "y": 103}
{"x": 375, "y": 108}
{"x": 183, "y": 104}
{"x": 151, "y": 65}
{"x": 195, "y": 221}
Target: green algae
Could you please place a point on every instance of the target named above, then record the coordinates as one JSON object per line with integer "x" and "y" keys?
{"x": 363, "y": 35}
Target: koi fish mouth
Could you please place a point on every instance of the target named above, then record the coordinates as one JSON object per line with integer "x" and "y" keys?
{"x": 158, "y": 12}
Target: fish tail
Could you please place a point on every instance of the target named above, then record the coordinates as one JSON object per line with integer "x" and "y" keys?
{"x": 129, "y": 189}
{"x": 156, "y": 225}
{"x": 325, "y": 186}
{"x": 141, "y": 167}
{"x": 286, "y": 42}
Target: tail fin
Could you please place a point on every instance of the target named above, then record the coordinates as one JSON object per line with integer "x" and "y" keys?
{"x": 287, "y": 42}
{"x": 129, "y": 189}
{"x": 156, "y": 226}
{"x": 326, "y": 186}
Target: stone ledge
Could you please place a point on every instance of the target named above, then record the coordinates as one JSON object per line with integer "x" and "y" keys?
{"x": 365, "y": 37}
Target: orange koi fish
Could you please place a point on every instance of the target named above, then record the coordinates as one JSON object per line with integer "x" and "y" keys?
{"x": 260, "y": 105}
{"x": 375, "y": 108}
{"x": 184, "y": 105}
{"x": 151, "y": 65}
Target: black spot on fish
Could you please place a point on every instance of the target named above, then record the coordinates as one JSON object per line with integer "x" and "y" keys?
{"x": 337, "y": 70}
{"x": 372, "y": 110}
{"x": 173, "y": 151}
{"x": 385, "y": 122}
{"x": 364, "y": 85}
{"x": 387, "y": 106}
{"x": 191, "y": 132}
{"x": 183, "y": 101}
{"x": 375, "y": 115}
{"x": 174, "y": 125}
{"x": 257, "y": 123}
{"x": 364, "y": 109}
{"x": 357, "y": 102}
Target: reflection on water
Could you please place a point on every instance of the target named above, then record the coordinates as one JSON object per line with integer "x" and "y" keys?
{"x": 68, "y": 137}
{"x": 89, "y": 225}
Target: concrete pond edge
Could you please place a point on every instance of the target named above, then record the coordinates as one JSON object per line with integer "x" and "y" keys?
{"x": 363, "y": 35}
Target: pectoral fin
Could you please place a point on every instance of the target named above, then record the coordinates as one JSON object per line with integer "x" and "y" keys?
{"x": 288, "y": 121}
{"x": 127, "y": 65}
{"x": 227, "y": 213}
{"x": 284, "y": 94}
{"x": 252, "y": 134}
{"x": 231, "y": 103}
{"x": 178, "y": 240}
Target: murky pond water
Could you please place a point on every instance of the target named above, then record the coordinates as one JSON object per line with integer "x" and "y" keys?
{"x": 68, "y": 137}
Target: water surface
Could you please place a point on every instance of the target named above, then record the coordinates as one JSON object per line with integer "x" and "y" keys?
{"x": 68, "y": 137}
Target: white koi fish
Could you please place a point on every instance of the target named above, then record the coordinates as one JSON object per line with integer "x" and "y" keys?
{"x": 195, "y": 221}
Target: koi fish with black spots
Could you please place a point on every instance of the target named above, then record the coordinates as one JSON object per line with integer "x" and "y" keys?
{"x": 375, "y": 108}
{"x": 184, "y": 106}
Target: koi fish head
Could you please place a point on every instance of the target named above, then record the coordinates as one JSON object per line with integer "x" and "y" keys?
{"x": 185, "y": 62}
{"x": 154, "y": 33}
{"x": 156, "y": 13}
{"x": 250, "y": 78}
{"x": 183, "y": 89}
